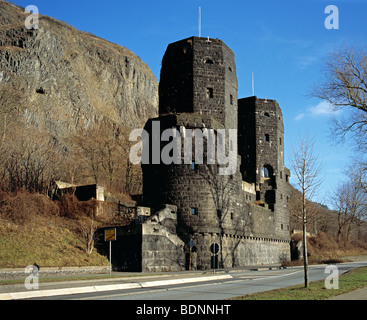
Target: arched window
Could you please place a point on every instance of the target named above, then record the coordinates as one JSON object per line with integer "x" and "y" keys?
{"x": 264, "y": 172}
{"x": 208, "y": 60}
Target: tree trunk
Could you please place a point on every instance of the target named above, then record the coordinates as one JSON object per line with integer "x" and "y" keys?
{"x": 305, "y": 258}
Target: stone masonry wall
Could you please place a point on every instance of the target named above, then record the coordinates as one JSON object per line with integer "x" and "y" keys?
{"x": 175, "y": 88}
{"x": 239, "y": 251}
{"x": 162, "y": 249}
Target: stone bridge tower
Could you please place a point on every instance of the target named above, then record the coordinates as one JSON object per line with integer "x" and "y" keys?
{"x": 261, "y": 146}
{"x": 198, "y": 91}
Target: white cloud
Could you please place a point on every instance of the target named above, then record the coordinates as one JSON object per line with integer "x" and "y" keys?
{"x": 299, "y": 117}
{"x": 304, "y": 62}
{"x": 324, "y": 108}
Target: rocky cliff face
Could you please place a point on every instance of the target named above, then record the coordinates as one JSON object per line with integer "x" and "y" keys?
{"x": 64, "y": 80}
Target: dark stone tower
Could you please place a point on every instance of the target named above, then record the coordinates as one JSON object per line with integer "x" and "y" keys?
{"x": 261, "y": 147}
{"x": 198, "y": 91}
{"x": 199, "y": 76}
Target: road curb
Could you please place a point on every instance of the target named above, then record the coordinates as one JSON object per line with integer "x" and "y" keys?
{"x": 112, "y": 287}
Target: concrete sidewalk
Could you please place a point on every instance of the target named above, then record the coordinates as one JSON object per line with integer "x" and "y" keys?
{"x": 18, "y": 292}
{"x": 360, "y": 294}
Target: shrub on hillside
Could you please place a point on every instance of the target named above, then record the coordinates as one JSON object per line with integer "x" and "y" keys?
{"x": 71, "y": 207}
{"x": 20, "y": 207}
{"x": 323, "y": 242}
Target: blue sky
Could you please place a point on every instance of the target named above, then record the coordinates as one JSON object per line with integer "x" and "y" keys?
{"x": 283, "y": 42}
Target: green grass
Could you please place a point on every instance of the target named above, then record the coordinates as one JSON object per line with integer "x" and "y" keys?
{"x": 49, "y": 244}
{"x": 350, "y": 281}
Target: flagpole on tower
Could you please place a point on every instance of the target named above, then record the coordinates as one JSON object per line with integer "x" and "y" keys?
{"x": 253, "y": 84}
{"x": 199, "y": 22}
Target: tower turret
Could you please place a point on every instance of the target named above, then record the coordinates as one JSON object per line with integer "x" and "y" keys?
{"x": 261, "y": 147}
{"x": 199, "y": 76}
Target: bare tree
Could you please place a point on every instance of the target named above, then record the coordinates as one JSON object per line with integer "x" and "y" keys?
{"x": 314, "y": 212}
{"x": 344, "y": 85}
{"x": 87, "y": 149}
{"x": 104, "y": 154}
{"x": 350, "y": 201}
{"x": 358, "y": 171}
{"x": 87, "y": 227}
{"x": 222, "y": 193}
{"x": 220, "y": 188}
{"x": 28, "y": 160}
{"x": 307, "y": 169}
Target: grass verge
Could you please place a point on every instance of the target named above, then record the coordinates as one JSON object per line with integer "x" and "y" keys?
{"x": 352, "y": 280}
{"x": 47, "y": 243}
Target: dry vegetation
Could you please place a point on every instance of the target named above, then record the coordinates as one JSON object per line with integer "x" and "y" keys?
{"x": 329, "y": 238}
{"x": 323, "y": 248}
{"x": 50, "y": 233}
{"x": 32, "y": 227}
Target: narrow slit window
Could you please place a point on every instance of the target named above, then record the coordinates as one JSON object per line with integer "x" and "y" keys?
{"x": 267, "y": 138}
{"x": 194, "y": 211}
{"x": 193, "y": 165}
{"x": 209, "y": 93}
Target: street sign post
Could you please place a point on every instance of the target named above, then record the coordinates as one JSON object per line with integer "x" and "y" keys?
{"x": 110, "y": 235}
{"x": 214, "y": 249}
{"x": 191, "y": 245}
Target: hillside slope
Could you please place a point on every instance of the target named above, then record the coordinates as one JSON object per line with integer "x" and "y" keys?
{"x": 68, "y": 101}
{"x": 33, "y": 229}
{"x": 63, "y": 80}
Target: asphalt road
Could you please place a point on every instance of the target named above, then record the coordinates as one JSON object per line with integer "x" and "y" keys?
{"x": 232, "y": 285}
